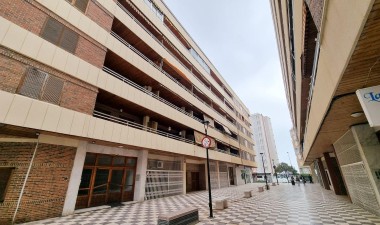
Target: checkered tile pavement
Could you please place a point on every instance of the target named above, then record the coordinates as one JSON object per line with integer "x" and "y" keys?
{"x": 283, "y": 204}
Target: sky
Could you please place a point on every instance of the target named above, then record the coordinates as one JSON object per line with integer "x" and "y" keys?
{"x": 238, "y": 37}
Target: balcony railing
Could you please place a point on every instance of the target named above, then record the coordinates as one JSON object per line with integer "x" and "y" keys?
{"x": 159, "y": 42}
{"x": 139, "y": 126}
{"x": 163, "y": 71}
{"x": 125, "y": 80}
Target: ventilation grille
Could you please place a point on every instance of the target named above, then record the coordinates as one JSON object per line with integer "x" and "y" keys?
{"x": 346, "y": 149}
{"x": 360, "y": 188}
{"x": 33, "y": 83}
{"x": 163, "y": 184}
{"x": 42, "y": 86}
{"x": 53, "y": 89}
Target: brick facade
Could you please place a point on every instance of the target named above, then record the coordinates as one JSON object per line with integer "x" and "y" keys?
{"x": 76, "y": 95}
{"x": 45, "y": 190}
{"x": 99, "y": 15}
{"x": 316, "y": 10}
{"x": 31, "y": 16}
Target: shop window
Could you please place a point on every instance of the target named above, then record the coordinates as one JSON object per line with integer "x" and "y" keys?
{"x": 60, "y": 35}
{"x": 5, "y": 175}
{"x": 40, "y": 85}
{"x": 81, "y": 5}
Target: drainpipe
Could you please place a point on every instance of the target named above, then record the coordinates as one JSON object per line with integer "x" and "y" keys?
{"x": 25, "y": 180}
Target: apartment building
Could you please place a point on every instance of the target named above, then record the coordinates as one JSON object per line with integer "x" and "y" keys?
{"x": 264, "y": 143}
{"x": 103, "y": 102}
{"x": 329, "y": 53}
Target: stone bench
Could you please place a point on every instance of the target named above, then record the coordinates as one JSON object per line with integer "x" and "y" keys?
{"x": 221, "y": 203}
{"x": 184, "y": 216}
{"x": 247, "y": 194}
{"x": 261, "y": 188}
{"x": 273, "y": 184}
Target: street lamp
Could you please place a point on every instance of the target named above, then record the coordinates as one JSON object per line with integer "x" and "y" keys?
{"x": 265, "y": 175}
{"x": 206, "y": 123}
{"x": 275, "y": 172}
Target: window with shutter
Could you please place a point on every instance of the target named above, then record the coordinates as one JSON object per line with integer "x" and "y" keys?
{"x": 60, "y": 35}
{"x": 52, "y": 90}
{"x": 69, "y": 40}
{"x": 81, "y": 5}
{"x": 52, "y": 31}
{"x": 33, "y": 83}
{"x": 42, "y": 86}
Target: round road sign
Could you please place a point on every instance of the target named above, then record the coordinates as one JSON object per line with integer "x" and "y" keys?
{"x": 206, "y": 142}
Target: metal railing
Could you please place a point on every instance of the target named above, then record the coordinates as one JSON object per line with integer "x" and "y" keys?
{"x": 154, "y": 37}
{"x": 138, "y": 126}
{"x": 126, "y": 80}
{"x": 163, "y": 71}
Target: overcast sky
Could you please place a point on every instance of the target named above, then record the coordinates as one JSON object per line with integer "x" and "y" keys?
{"x": 239, "y": 39}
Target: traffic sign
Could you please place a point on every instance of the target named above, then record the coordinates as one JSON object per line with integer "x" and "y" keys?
{"x": 206, "y": 142}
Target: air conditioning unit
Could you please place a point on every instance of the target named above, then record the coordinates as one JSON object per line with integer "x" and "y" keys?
{"x": 160, "y": 164}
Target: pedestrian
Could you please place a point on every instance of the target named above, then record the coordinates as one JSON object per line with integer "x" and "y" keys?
{"x": 292, "y": 180}
{"x": 310, "y": 179}
{"x": 298, "y": 180}
{"x": 303, "y": 179}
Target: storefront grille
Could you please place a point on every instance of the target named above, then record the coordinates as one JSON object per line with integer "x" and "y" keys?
{"x": 161, "y": 183}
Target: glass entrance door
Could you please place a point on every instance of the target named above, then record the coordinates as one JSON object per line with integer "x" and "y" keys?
{"x": 106, "y": 179}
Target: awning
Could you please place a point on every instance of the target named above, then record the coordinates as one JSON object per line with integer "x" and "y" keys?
{"x": 226, "y": 130}
{"x": 199, "y": 136}
{"x": 177, "y": 70}
{"x": 207, "y": 118}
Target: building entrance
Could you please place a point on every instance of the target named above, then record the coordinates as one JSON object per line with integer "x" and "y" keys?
{"x": 231, "y": 175}
{"x": 195, "y": 177}
{"x": 106, "y": 179}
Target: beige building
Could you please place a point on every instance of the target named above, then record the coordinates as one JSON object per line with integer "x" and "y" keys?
{"x": 264, "y": 143}
{"x": 329, "y": 52}
{"x": 103, "y": 102}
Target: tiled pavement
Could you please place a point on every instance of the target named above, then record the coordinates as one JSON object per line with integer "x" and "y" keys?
{"x": 283, "y": 204}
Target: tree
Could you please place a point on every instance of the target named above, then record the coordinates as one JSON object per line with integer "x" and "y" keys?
{"x": 285, "y": 167}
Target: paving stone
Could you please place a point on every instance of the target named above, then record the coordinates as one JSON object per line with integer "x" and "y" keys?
{"x": 283, "y": 204}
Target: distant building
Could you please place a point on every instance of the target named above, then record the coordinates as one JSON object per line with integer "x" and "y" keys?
{"x": 265, "y": 143}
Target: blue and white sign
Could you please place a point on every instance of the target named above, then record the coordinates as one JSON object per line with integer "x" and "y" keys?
{"x": 369, "y": 99}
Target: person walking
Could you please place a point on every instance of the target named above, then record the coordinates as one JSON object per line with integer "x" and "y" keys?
{"x": 310, "y": 179}
{"x": 298, "y": 180}
{"x": 292, "y": 180}
{"x": 303, "y": 179}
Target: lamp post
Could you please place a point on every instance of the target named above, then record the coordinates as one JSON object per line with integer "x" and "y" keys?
{"x": 289, "y": 160}
{"x": 206, "y": 123}
{"x": 275, "y": 172}
{"x": 265, "y": 175}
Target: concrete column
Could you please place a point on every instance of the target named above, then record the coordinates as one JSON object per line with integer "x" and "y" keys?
{"x": 335, "y": 175}
{"x": 183, "y": 133}
{"x": 154, "y": 125}
{"x": 217, "y": 172}
{"x": 75, "y": 178}
{"x": 146, "y": 120}
{"x": 184, "y": 175}
{"x": 157, "y": 93}
{"x": 322, "y": 173}
{"x": 142, "y": 162}
{"x": 191, "y": 112}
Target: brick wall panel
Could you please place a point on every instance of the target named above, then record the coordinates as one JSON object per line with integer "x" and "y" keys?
{"x": 90, "y": 52}
{"x": 99, "y": 15}
{"x": 76, "y": 95}
{"x": 22, "y": 13}
{"x": 46, "y": 187}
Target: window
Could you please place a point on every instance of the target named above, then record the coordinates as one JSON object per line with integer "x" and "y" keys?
{"x": 5, "y": 174}
{"x": 81, "y": 5}
{"x": 40, "y": 85}
{"x": 155, "y": 9}
{"x": 58, "y": 34}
